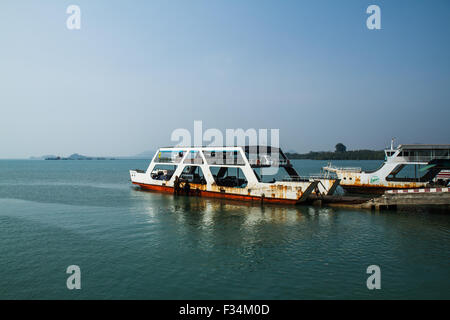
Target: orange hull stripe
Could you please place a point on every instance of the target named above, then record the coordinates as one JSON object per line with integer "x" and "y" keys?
{"x": 213, "y": 194}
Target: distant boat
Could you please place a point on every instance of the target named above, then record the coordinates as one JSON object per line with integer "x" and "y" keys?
{"x": 77, "y": 156}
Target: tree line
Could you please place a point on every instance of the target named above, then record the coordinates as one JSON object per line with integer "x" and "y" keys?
{"x": 340, "y": 153}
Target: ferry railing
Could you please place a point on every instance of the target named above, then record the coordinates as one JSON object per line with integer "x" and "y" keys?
{"x": 350, "y": 169}
{"x": 273, "y": 163}
{"x": 419, "y": 158}
{"x": 167, "y": 160}
{"x": 296, "y": 179}
{"x": 224, "y": 162}
{"x": 324, "y": 175}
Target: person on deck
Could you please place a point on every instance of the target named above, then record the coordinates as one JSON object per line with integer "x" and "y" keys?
{"x": 176, "y": 186}
{"x": 187, "y": 188}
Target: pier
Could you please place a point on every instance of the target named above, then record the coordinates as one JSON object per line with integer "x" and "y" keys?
{"x": 424, "y": 197}
{"x": 391, "y": 200}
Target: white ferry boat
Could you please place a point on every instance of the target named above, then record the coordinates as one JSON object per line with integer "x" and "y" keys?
{"x": 251, "y": 173}
{"x": 409, "y": 166}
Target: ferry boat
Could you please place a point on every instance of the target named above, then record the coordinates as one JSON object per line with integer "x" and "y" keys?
{"x": 408, "y": 166}
{"x": 251, "y": 173}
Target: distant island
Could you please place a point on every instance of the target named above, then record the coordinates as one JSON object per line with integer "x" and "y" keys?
{"x": 340, "y": 153}
{"x": 77, "y": 156}
{"x": 141, "y": 156}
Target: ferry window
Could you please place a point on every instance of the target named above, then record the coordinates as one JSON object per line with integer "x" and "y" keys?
{"x": 224, "y": 157}
{"x": 193, "y": 174}
{"x": 211, "y": 156}
{"x": 407, "y": 172}
{"x": 424, "y": 154}
{"x": 264, "y": 155}
{"x": 229, "y": 177}
{"x": 271, "y": 175}
{"x": 169, "y": 156}
{"x": 265, "y": 158}
{"x": 441, "y": 154}
{"x": 163, "y": 172}
{"x": 193, "y": 157}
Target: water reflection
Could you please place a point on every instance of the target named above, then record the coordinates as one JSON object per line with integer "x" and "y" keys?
{"x": 252, "y": 233}
{"x": 239, "y": 221}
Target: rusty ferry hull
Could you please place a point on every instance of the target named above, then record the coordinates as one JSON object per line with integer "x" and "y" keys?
{"x": 199, "y": 191}
{"x": 379, "y": 189}
{"x": 225, "y": 172}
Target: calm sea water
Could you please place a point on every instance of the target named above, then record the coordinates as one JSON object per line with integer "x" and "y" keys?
{"x": 131, "y": 244}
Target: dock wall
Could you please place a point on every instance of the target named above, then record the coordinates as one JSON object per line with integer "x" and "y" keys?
{"x": 425, "y": 197}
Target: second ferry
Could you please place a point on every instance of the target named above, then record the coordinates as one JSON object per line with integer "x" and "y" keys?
{"x": 409, "y": 166}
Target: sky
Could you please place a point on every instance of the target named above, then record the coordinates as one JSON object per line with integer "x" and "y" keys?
{"x": 138, "y": 70}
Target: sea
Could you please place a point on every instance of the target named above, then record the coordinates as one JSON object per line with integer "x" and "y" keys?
{"x": 132, "y": 244}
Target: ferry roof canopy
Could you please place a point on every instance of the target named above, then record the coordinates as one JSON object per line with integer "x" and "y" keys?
{"x": 424, "y": 146}
{"x": 246, "y": 148}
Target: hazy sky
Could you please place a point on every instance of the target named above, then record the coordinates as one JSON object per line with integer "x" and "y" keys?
{"x": 137, "y": 70}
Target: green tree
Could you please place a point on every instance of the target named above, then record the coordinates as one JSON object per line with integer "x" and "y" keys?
{"x": 340, "y": 147}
